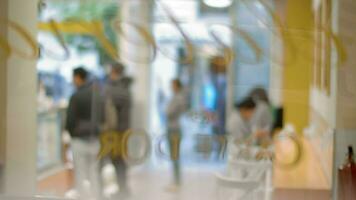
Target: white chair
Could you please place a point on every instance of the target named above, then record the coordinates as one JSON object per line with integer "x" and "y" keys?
{"x": 246, "y": 178}
{"x": 239, "y": 189}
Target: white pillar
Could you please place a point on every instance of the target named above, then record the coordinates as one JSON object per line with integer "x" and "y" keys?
{"x": 135, "y": 54}
{"x": 3, "y": 14}
{"x": 18, "y": 103}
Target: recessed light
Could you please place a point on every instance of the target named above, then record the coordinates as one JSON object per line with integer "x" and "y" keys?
{"x": 218, "y": 3}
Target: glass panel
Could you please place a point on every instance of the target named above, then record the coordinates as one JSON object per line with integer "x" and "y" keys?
{"x": 173, "y": 99}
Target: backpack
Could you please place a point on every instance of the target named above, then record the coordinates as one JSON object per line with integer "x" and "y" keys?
{"x": 110, "y": 116}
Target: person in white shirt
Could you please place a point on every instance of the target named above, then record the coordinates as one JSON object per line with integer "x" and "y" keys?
{"x": 250, "y": 122}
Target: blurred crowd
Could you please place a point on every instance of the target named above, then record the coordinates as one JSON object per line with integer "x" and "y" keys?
{"x": 95, "y": 108}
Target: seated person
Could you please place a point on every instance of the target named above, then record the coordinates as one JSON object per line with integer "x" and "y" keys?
{"x": 251, "y": 122}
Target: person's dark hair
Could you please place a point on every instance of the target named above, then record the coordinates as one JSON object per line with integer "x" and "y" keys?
{"x": 247, "y": 103}
{"x": 118, "y": 68}
{"x": 81, "y": 72}
{"x": 259, "y": 94}
{"x": 178, "y": 83}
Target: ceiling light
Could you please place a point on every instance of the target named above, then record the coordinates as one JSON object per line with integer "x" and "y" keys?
{"x": 218, "y": 3}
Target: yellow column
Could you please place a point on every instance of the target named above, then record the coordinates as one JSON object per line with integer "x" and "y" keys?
{"x": 298, "y": 57}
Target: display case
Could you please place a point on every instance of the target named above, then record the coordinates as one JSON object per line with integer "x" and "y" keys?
{"x": 49, "y": 142}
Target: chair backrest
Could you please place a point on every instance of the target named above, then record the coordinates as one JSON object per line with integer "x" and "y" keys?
{"x": 243, "y": 189}
{"x": 228, "y": 182}
{"x": 249, "y": 170}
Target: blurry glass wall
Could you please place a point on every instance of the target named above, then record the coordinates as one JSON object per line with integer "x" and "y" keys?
{"x": 65, "y": 44}
{"x": 250, "y": 72}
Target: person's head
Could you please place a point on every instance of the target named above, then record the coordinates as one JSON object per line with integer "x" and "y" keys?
{"x": 117, "y": 71}
{"x": 218, "y": 64}
{"x": 246, "y": 108}
{"x": 176, "y": 85}
{"x": 80, "y": 76}
{"x": 259, "y": 94}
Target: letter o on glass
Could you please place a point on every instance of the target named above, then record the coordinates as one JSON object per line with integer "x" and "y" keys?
{"x": 144, "y": 152}
{"x": 5, "y": 48}
{"x": 60, "y": 40}
{"x": 26, "y": 36}
{"x": 144, "y": 34}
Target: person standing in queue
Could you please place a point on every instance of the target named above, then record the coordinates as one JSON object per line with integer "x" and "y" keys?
{"x": 175, "y": 109}
{"x": 82, "y": 124}
{"x": 118, "y": 95}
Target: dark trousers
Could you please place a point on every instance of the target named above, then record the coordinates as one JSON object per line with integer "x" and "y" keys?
{"x": 121, "y": 173}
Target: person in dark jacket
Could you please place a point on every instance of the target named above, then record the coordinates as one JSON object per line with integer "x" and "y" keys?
{"x": 82, "y": 125}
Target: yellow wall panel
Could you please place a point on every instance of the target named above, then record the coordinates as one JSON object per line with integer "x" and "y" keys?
{"x": 298, "y": 54}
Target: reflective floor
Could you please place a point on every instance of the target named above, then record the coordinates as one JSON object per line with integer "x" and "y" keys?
{"x": 153, "y": 181}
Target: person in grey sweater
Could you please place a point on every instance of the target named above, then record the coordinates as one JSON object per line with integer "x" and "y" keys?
{"x": 175, "y": 109}
{"x": 117, "y": 91}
